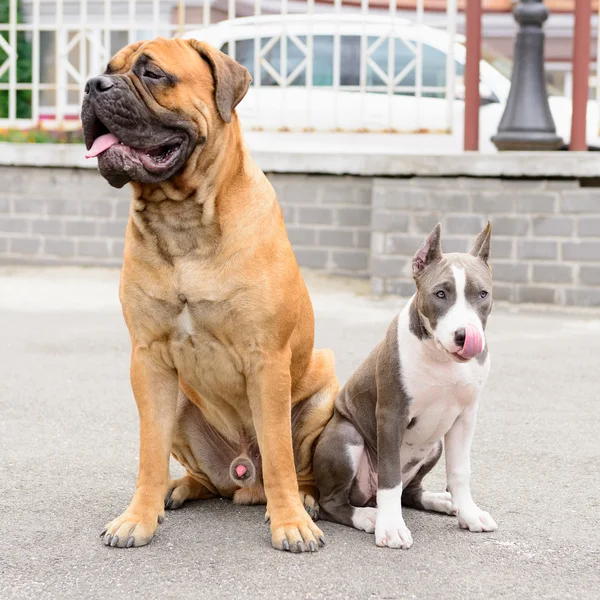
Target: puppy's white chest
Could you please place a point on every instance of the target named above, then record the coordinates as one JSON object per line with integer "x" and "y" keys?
{"x": 448, "y": 383}
{"x": 439, "y": 393}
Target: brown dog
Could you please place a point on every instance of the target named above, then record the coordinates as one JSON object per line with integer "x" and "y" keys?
{"x": 222, "y": 366}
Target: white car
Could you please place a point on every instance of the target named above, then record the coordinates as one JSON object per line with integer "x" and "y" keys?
{"x": 270, "y": 106}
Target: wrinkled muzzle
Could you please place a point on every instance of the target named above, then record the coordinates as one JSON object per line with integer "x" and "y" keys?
{"x": 131, "y": 142}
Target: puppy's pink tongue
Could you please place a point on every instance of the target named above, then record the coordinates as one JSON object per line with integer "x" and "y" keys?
{"x": 101, "y": 144}
{"x": 473, "y": 342}
{"x": 240, "y": 470}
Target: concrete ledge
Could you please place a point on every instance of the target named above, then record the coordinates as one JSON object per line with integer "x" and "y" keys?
{"x": 349, "y": 154}
{"x": 44, "y": 155}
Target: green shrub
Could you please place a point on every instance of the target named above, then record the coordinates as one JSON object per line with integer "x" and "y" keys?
{"x": 24, "y": 65}
{"x": 41, "y": 136}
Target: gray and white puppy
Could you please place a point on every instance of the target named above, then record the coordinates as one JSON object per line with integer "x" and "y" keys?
{"x": 422, "y": 383}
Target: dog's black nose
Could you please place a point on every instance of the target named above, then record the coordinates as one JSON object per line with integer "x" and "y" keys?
{"x": 99, "y": 84}
{"x": 459, "y": 337}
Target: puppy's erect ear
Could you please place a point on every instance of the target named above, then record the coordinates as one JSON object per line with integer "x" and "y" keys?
{"x": 481, "y": 247}
{"x": 231, "y": 79}
{"x": 429, "y": 252}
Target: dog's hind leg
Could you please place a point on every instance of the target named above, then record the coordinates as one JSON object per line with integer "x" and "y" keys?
{"x": 415, "y": 496}
{"x": 337, "y": 458}
{"x": 254, "y": 494}
{"x": 188, "y": 488}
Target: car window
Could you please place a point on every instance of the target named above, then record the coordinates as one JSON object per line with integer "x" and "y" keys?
{"x": 434, "y": 62}
{"x": 350, "y": 60}
{"x": 323, "y": 60}
{"x": 433, "y": 73}
{"x": 244, "y": 54}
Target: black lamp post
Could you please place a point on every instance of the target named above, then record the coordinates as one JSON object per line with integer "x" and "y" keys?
{"x": 527, "y": 122}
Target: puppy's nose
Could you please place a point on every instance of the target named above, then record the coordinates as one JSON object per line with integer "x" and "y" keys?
{"x": 99, "y": 84}
{"x": 459, "y": 337}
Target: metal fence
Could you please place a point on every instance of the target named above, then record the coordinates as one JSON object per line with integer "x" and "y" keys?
{"x": 359, "y": 57}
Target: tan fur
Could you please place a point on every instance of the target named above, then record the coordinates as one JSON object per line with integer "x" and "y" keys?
{"x": 212, "y": 239}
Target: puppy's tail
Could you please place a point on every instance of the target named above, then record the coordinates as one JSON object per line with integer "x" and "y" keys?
{"x": 242, "y": 471}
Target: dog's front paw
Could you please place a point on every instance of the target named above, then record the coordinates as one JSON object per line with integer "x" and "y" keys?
{"x": 392, "y": 532}
{"x": 308, "y": 501}
{"x": 296, "y": 532}
{"x": 130, "y": 530}
{"x": 474, "y": 519}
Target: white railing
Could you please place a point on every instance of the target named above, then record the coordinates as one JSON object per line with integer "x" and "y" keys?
{"x": 67, "y": 41}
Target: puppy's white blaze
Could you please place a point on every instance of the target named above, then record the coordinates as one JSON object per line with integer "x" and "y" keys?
{"x": 459, "y": 315}
{"x": 184, "y": 321}
{"x": 460, "y": 280}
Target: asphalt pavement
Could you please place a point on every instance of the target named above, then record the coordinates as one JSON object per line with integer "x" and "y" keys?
{"x": 68, "y": 462}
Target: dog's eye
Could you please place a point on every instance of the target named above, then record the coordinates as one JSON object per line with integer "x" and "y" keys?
{"x": 483, "y": 294}
{"x": 441, "y": 294}
{"x": 152, "y": 74}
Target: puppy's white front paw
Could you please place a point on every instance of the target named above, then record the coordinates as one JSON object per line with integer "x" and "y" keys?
{"x": 392, "y": 532}
{"x": 474, "y": 519}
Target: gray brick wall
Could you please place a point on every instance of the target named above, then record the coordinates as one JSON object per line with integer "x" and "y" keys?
{"x": 328, "y": 220}
{"x": 546, "y": 240}
{"x": 72, "y": 216}
{"x": 60, "y": 216}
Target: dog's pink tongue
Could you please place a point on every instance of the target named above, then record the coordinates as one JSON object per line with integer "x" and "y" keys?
{"x": 473, "y": 342}
{"x": 240, "y": 470}
{"x": 101, "y": 144}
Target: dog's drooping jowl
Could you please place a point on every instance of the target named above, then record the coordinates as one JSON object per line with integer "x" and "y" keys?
{"x": 420, "y": 385}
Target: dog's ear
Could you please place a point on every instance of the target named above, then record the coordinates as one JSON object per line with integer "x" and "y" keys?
{"x": 481, "y": 247}
{"x": 429, "y": 252}
{"x": 119, "y": 60}
{"x": 231, "y": 79}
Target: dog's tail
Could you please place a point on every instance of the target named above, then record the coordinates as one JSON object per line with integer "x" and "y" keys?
{"x": 242, "y": 471}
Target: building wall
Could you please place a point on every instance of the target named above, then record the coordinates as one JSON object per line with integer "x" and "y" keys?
{"x": 546, "y": 240}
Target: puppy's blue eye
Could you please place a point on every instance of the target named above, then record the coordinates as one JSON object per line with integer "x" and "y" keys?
{"x": 441, "y": 294}
{"x": 483, "y": 294}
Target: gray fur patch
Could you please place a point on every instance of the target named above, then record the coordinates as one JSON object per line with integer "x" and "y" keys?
{"x": 436, "y": 278}
{"x": 411, "y": 464}
{"x": 415, "y": 324}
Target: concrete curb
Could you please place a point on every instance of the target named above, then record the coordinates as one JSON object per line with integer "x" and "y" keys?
{"x": 358, "y": 158}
